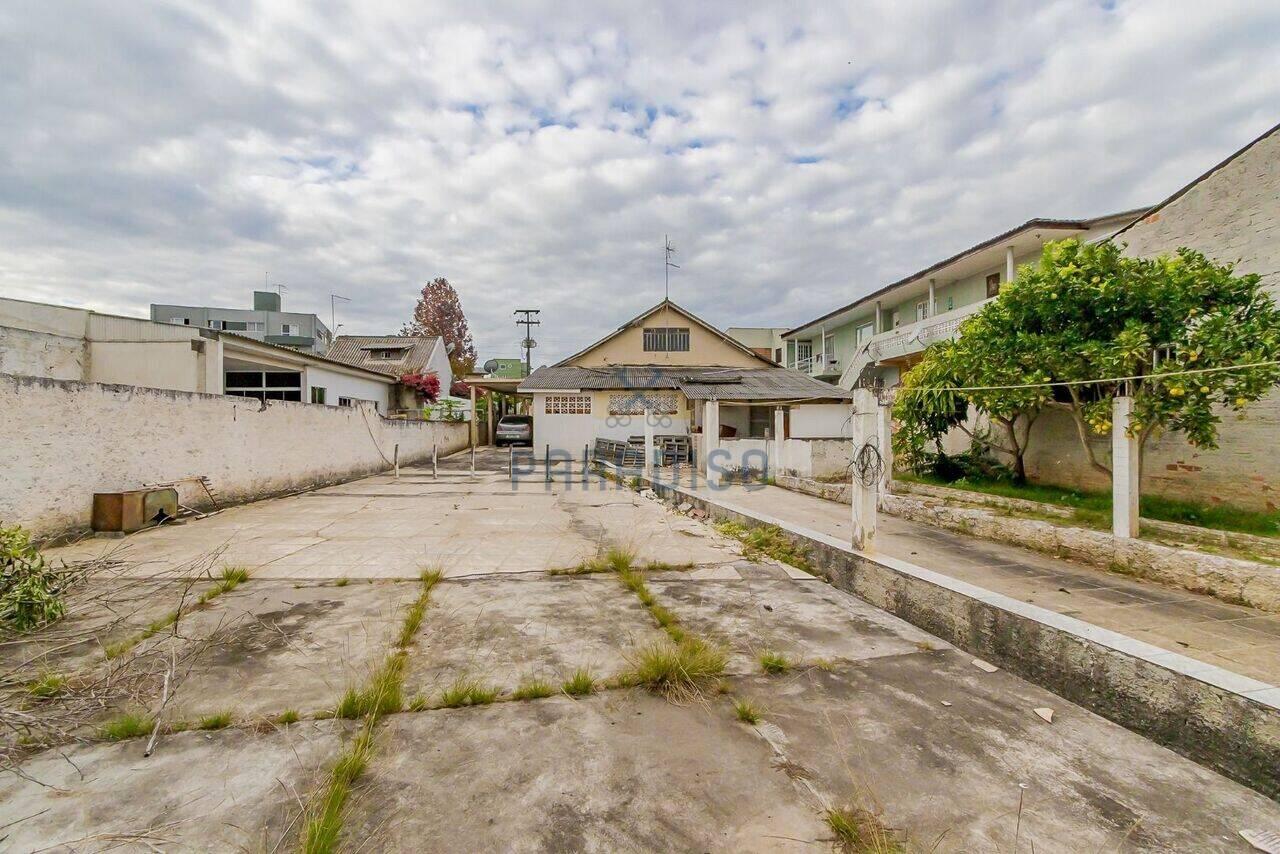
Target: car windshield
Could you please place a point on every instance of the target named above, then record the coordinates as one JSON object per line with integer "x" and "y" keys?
{"x": 515, "y": 420}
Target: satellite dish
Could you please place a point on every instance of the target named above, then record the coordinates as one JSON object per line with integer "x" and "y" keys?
{"x": 491, "y": 366}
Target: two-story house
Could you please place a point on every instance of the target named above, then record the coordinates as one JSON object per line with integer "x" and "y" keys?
{"x": 874, "y": 339}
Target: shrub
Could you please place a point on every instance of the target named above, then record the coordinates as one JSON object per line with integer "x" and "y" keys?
{"x": 31, "y": 590}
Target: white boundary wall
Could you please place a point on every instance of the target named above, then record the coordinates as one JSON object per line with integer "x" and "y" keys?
{"x": 61, "y": 441}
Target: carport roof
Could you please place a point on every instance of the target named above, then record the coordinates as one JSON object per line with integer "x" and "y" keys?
{"x": 764, "y": 384}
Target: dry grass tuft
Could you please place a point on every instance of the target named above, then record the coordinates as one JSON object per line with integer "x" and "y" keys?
{"x": 747, "y": 711}
{"x": 860, "y": 831}
{"x": 774, "y": 663}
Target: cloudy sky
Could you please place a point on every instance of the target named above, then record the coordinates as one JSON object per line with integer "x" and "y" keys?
{"x": 799, "y": 155}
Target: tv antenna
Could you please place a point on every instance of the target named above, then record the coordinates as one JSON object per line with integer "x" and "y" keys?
{"x": 667, "y": 265}
{"x": 528, "y": 322}
{"x": 333, "y": 300}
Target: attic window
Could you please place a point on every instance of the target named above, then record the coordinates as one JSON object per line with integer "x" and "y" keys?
{"x": 387, "y": 354}
{"x": 666, "y": 339}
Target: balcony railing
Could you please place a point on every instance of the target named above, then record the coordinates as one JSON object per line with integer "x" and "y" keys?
{"x": 816, "y": 366}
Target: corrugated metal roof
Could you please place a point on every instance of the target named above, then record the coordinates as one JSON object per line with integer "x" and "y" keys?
{"x": 356, "y": 350}
{"x": 696, "y": 383}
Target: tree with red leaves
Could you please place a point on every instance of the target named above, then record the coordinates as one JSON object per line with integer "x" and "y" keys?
{"x": 439, "y": 312}
{"x": 427, "y": 385}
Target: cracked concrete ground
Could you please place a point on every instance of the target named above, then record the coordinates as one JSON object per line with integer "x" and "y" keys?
{"x": 874, "y": 712}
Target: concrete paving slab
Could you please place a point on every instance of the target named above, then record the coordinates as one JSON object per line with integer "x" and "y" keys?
{"x": 228, "y": 790}
{"x": 809, "y": 622}
{"x": 952, "y": 773}
{"x": 504, "y": 631}
{"x": 619, "y": 772}
{"x": 291, "y": 647}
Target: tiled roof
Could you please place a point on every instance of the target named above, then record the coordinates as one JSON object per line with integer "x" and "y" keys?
{"x": 696, "y": 383}
{"x": 358, "y": 350}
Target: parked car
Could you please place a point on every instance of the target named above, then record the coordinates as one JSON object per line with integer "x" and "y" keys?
{"x": 514, "y": 430}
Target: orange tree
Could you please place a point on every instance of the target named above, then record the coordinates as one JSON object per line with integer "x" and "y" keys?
{"x": 1186, "y": 337}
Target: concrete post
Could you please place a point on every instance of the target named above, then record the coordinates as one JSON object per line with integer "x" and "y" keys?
{"x": 865, "y": 417}
{"x": 474, "y": 437}
{"x": 489, "y": 413}
{"x": 1009, "y": 271}
{"x": 1124, "y": 471}
{"x": 648, "y": 443}
{"x": 884, "y": 429}
{"x": 710, "y": 438}
{"x": 877, "y": 329}
{"x": 779, "y": 440}
{"x": 933, "y": 301}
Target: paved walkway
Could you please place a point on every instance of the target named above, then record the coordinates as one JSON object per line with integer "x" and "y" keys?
{"x": 873, "y": 713}
{"x": 1239, "y": 639}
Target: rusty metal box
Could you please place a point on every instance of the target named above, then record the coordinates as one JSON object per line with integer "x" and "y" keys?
{"x": 133, "y": 509}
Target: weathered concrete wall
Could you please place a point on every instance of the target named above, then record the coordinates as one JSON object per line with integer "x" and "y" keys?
{"x": 42, "y": 354}
{"x": 1222, "y": 720}
{"x": 61, "y": 441}
{"x": 1243, "y": 471}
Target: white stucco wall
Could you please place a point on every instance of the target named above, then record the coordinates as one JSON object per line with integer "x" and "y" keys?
{"x": 571, "y": 432}
{"x": 337, "y": 383}
{"x": 821, "y": 421}
{"x": 61, "y": 441}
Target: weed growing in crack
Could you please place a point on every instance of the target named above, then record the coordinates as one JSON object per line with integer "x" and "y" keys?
{"x": 342, "y": 582}
{"x": 127, "y": 725}
{"x": 324, "y": 815}
{"x": 579, "y": 684}
{"x": 418, "y": 609}
{"x": 747, "y": 711}
{"x": 767, "y": 540}
{"x": 860, "y": 831}
{"x": 774, "y": 663}
{"x": 218, "y": 720}
{"x": 383, "y": 695}
{"x": 289, "y": 716}
{"x": 466, "y": 691}
{"x": 48, "y": 686}
{"x": 678, "y": 671}
{"x": 533, "y": 689}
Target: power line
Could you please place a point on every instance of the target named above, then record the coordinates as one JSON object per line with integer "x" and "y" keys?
{"x": 1160, "y": 375}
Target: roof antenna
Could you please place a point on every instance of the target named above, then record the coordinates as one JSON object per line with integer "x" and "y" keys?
{"x": 666, "y": 270}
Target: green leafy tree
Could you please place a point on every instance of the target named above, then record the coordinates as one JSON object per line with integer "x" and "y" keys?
{"x": 1087, "y": 312}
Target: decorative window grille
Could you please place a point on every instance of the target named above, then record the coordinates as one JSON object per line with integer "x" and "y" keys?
{"x": 635, "y": 403}
{"x": 568, "y": 404}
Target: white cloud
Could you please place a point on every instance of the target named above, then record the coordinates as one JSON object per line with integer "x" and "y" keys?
{"x": 799, "y": 155}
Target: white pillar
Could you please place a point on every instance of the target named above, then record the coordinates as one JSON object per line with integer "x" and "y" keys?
{"x": 1124, "y": 471}
{"x": 779, "y": 440}
{"x": 933, "y": 302}
{"x": 876, "y": 330}
{"x": 710, "y": 438}
{"x": 1008, "y": 264}
{"x": 884, "y": 429}
{"x": 648, "y": 443}
{"x": 474, "y": 438}
{"x": 865, "y": 417}
{"x": 489, "y": 413}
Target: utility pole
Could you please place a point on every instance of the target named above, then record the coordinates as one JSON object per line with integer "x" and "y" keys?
{"x": 666, "y": 269}
{"x": 528, "y": 322}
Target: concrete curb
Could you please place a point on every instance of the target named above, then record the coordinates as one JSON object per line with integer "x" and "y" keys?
{"x": 1220, "y": 719}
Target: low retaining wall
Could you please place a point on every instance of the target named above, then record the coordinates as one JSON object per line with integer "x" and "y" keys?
{"x": 1267, "y": 546}
{"x": 1239, "y": 582}
{"x": 1223, "y": 720}
{"x": 62, "y": 440}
